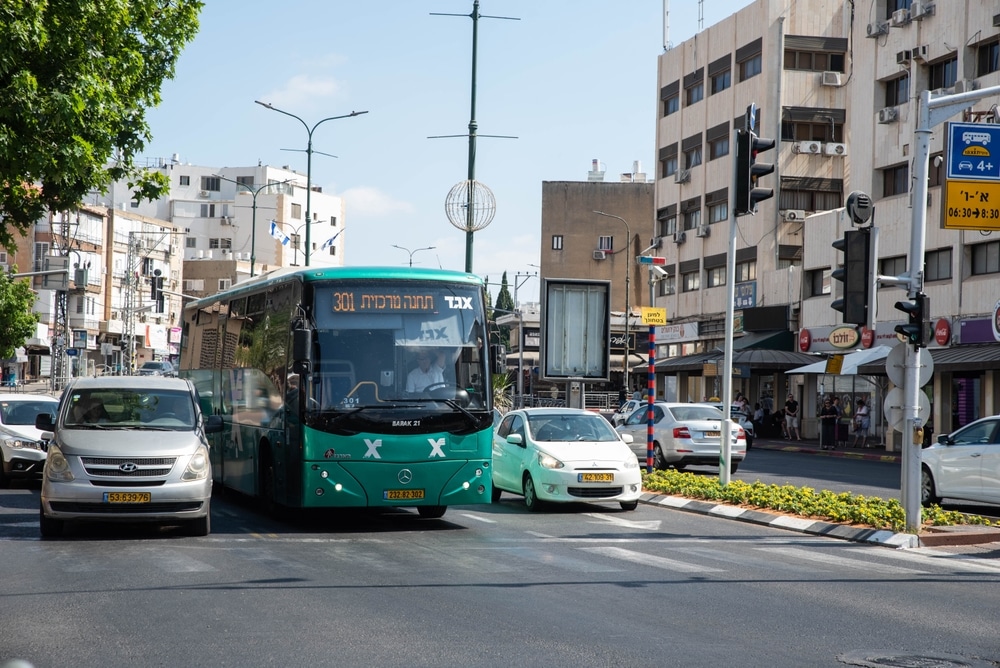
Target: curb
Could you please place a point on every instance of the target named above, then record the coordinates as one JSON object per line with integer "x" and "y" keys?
{"x": 800, "y": 524}
{"x": 856, "y": 453}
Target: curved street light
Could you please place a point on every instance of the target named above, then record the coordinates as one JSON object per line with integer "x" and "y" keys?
{"x": 309, "y": 152}
{"x": 411, "y": 252}
{"x": 294, "y": 238}
{"x": 253, "y": 219}
{"x": 628, "y": 274}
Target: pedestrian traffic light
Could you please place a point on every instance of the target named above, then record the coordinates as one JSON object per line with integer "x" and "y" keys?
{"x": 916, "y": 311}
{"x": 858, "y": 277}
{"x": 749, "y": 171}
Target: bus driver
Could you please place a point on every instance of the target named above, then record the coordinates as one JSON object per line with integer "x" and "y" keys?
{"x": 425, "y": 374}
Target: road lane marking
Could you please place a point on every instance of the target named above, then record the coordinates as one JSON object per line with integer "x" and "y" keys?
{"x": 479, "y": 518}
{"x": 857, "y": 565}
{"x": 650, "y": 560}
{"x": 941, "y": 560}
{"x": 647, "y": 525}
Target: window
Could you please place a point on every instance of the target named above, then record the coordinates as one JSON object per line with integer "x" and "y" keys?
{"x": 134, "y": 204}
{"x": 897, "y": 91}
{"x": 987, "y": 58}
{"x": 746, "y": 271}
{"x": 691, "y": 281}
{"x": 892, "y": 266}
{"x": 821, "y": 131}
{"x": 668, "y": 285}
{"x": 211, "y": 183}
{"x": 225, "y": 283}
{"x": 3, "y": 257}
{"x": 817, "y": 282}
{"x": 208, "y": 211}
{"x": 297, "y": 211}
{"x": 721, "y": 81}
{"x": 715, "y": 277}
{"x": 810, "y": 194}
{"x": 937, "y": 265}
{"x": 226, "y": 242}
{"x": 718, "y": 148}
{"x": 184, "y": 180}
{"x": 750, "y": 67}
{"x": 986, "y": 258}
{"x": 190, "y": 242}
{"x": 692, "y": 157}
{"x": 605, "y": 243}
{"x": 718, "y": 213}
{"x": 895, "y": 5}
{"x": 895, "y": 180}
{"x": 333, "y": 250}
{"x": 670, "y": 98}
{"x": 669, "y": 165}
{"x": 194, "y": 285}
{"x": 245, "y": 181}
{"x": 692, "y": 219}
{"x": 813, "y": 61}
{"x": 668, "y": 226}
{"x": 944, "y": 73}
{"x": 147, "y": 266}
{"x": 333, "y": 221}
{"x": 213, "y": 243}
{"x": 557, "y": 242}
{"x": 671, "y": 105}
{"x": 694, "y": 94}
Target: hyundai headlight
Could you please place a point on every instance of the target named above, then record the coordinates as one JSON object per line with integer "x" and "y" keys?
{"x": 197, "y": 468}
{"x": 57, "y": 466}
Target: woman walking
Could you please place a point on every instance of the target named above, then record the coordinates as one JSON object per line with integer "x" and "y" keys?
{"x": 861, "y": 424}
{"x": 828, "y": 425}
{"x": 840, "y": 431}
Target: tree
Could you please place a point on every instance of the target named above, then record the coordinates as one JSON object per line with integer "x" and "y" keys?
{"x": 76, "y": 78}
{"x": 16, "y": 300}
{"x": 504, "y": 306}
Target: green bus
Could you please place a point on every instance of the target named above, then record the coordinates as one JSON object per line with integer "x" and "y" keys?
{"x": 348, "y": 387}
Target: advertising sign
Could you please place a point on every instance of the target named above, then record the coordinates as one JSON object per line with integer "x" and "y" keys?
{"x": 576, "y": 323}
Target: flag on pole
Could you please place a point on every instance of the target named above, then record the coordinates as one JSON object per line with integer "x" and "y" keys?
{"x": 278, "y": 234}
{"x": 329, "y": 242}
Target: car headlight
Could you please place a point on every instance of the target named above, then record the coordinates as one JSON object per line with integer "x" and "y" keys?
{"x": 57, "y": 467}
{"x": 549, "y": 462}
{"x": 631, "y": 463}
{"x": 197, "y": 468}
{"x": 18, "y": 443}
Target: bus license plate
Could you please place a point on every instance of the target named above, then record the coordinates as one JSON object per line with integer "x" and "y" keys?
{"x": 402, "y": 494}
{"x": 127, "y": 497}
{"x": 595, "y": 477}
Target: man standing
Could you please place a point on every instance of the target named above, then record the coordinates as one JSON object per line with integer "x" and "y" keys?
{"x": 792, "y": 418}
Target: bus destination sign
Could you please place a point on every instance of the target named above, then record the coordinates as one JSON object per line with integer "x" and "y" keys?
{"x": 377, "y": 301}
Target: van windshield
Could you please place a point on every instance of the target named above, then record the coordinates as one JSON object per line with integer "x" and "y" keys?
{"x": 121, "y": 408}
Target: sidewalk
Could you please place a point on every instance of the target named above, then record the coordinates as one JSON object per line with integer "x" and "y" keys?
{"x": 875, "y": 452}
{"x": 42, "y": 386}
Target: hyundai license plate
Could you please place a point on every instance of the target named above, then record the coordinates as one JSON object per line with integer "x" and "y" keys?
{"x": 402, "y": 494}
{"x": 595, "y": 477}
{"x": 127, "y": 497}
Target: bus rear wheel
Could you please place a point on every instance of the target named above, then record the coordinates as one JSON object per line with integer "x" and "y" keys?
{"x": 431, "y": 512}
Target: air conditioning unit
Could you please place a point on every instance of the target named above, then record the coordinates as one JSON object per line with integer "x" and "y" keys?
{"x": 938, "y": 92}
{"x": 920, "y": 53}
{"x": 226, "y": 220}
{"x": 903, "y": 57}
{"x": 703, "y": 231}
{"x": 918, "y": 10}
{"x": 900, "y": 17}
{"x": 682, "y": 176}
{"x": 888, "y": 115}
{"x": 812, "y": 147}
{"x": 680, "y": 237}
{"x": 965, "y": 85}
{"x": 600, "y": 255}
{"x": 171, "y": 249}
{"x": 833, "y": 148}
{"x": 830, "y": 79}
{"x": 203, "y": 193}
{"x": 878, "y": 28}
{"x": 794, "y": 215}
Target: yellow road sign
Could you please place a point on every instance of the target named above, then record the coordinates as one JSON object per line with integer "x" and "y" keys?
{"x": 971, "y": 205}
{"x": 654, "y": 316}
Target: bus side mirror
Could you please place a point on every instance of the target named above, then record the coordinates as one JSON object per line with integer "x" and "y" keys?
{"x": 498, "y": 363}
{"x": 302, "y": 349}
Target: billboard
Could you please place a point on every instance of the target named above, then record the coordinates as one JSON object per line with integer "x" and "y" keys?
{"x": 576, "y": 327}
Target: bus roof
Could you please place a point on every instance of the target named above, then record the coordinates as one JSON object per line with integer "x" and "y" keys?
{"x": 311, "y": 274}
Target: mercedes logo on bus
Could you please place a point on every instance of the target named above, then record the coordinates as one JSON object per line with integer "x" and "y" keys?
{"x": 405, "y": 476}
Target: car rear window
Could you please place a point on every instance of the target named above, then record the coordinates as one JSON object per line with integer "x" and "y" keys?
{"x": 694, "y": 412}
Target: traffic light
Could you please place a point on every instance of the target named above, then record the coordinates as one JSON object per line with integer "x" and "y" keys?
{"x": 749, "y": 171}
{"x": 154, "y": 286}
{"x": 916, "y": 311}
{"x": 857, "y": 275}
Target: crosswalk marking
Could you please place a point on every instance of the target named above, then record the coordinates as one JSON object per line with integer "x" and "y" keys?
{"x": 650, "y": 560}
{"x": 741, "y": 559}
{"x": 858, "y": 565}
{"x": 941, "y": 560}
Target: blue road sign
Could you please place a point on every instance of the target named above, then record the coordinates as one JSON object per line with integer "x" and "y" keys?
{"x": 974, "y": 151}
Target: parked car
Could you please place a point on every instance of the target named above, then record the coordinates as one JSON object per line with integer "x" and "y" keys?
{"x": 156, "y": 369}
{"x": 625, "y": 410}
{"x": 684, "y": 434}
{"x": 742, "y": 419}
{"x": 963, "y": 465}
{"x": 127, "y": 449}
{"x": 563, "y": 455}
{"x": 22, "y": 448}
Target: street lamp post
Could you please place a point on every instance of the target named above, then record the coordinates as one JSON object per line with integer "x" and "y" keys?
{"x": 294, "y": 238}
{"x": 309, "y": 152}
{"x": 411, "y": 252}
{"x": 628, "y": 274}
{"x": 253, "y": 219}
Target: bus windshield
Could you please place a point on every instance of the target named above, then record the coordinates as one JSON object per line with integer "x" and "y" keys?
{"x": 384, "y": 344}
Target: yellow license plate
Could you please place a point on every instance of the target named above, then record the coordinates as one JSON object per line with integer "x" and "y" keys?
{"x": 712, "y": 433}
{"x": 402, "y": 494}
{"x": 595, "y": 477}
{"x": 127, "y": 497}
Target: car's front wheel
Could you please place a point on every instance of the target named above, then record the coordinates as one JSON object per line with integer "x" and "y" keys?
{"x": 530, "y": 496}
{"x": 201, "y": 526}
{"x": 928, "y": 491}
{"x": 496, "y": 494}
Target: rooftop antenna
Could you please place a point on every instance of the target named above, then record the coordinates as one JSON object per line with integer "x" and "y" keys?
{"x": 666, "y": 26}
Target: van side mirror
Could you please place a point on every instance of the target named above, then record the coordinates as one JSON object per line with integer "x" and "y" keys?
{"x": 213, "y": 424}
{"x": 43, "y": 422}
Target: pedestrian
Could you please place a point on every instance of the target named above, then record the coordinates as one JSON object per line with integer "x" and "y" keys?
{"x": 792, "y": 419}
{"x": 827, "y": 425}
{"x": 841, "y": 429}
{"x": 862, "y": 423}
{"x": 758, "y": 419}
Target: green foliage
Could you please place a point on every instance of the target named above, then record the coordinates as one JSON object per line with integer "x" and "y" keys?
{"x": 835, "y": 507}
{"x": 504, "y": 305}
{"x": 76, "y": 78}
{"x": 16, "y": 300}
{"x": 502, "y": 392}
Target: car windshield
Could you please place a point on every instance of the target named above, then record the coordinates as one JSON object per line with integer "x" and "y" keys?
{"x": 24, "y": 412}
{"x": 695, "y": 412}
{"x": 121, "y": 408}
{"x": 571, "y": 428}
{"x": 154, "y": 366}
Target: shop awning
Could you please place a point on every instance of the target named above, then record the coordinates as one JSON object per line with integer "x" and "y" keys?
{"x": 985, "y": 357}
{"x": 852, "y": 362}
{"x": 778, "y": 340}
{"x": 758, "y": 359}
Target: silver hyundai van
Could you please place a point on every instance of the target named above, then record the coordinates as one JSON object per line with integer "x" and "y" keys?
{"x": 128, "y": 449}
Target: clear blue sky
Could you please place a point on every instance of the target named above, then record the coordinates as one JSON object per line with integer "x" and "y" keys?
{"x": 573, "y": 80}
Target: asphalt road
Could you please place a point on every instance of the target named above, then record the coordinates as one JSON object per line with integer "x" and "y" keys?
{"x": 586, "y": 585}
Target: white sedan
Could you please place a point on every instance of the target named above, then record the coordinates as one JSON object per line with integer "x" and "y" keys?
{"x": 963, "y": 465}
{"x": 563, "y": 455}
